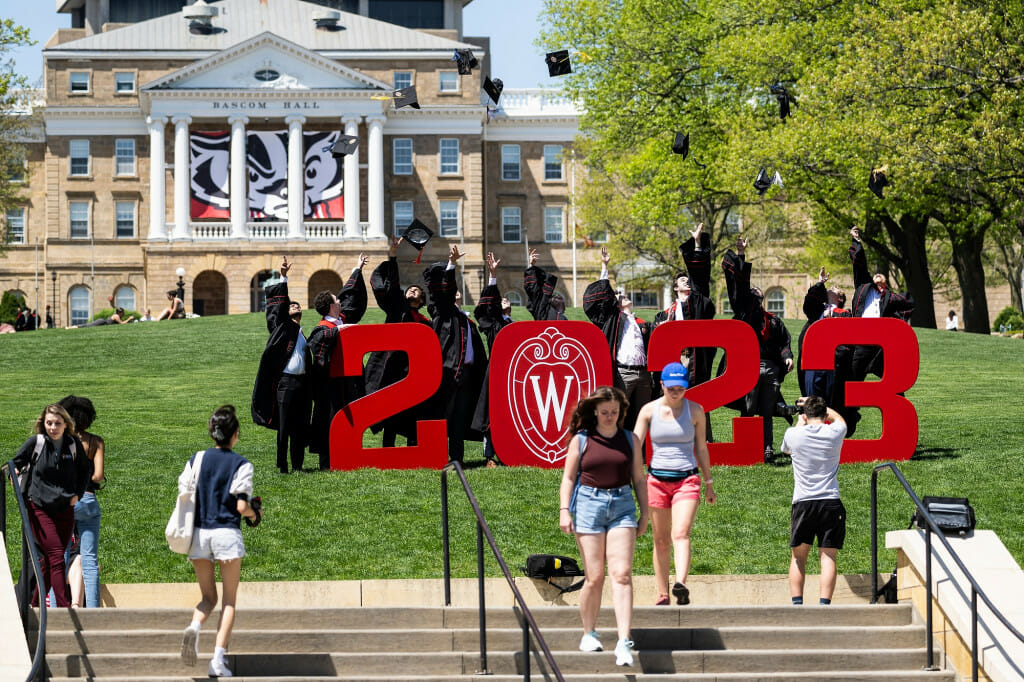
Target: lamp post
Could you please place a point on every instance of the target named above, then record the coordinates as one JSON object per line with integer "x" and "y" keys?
{"x": 180, "y": 272}
{"x": 53, "y": 279}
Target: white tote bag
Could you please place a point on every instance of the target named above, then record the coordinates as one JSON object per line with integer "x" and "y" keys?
{"x": 183, "y": 519}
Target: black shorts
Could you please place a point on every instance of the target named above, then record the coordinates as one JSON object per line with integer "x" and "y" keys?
{"x": 821, "y": 519}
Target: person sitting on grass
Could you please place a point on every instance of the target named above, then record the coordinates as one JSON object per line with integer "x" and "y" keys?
{"x": 117, "y": 318}
{"x": 175, "y": 309}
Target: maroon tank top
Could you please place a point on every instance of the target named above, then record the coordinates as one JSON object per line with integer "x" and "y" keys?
{"x": 606, "y": 461}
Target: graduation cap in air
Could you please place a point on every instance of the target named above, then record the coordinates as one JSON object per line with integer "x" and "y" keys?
{"x": 493, "y": 88}
{"x": 346, "y": 144}
{"x": 681, "y": 145}
{"x": 558, "y": 63}
{"x": 465, "y": 61}
{"x": 406, "y": 97}
{"x": 418, "y": 235}
{"x": 763, "y": 181}
{"x": 878, "y": 180}
{"x": 783, "y": 97}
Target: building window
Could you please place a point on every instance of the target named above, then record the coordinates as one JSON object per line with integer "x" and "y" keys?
{"x": 449, "y": 211}
{"x": 775, "y": 301}
{"x": 645, "y": 299}
{"x": 725, "y": 305}
{"x": 509, "y": 162}
{"x": 402, "y": 152}
{"x": 124, "y": 82}
{"x": 511, "y": 224}
{"x": 16, "y": 225}
{"x": 514, "y": 297}
{"x": 78, "y": 298}
{"x": 449, "y": 156}
{"x": 79, "y": 81}
{"x": 554, "y": 224}
{"x": 732, "y": 223}
{"x": 79, "y": 211}
{"x": 124, "y": 297}
{"x": 552, "y": 162}
{"x": 403, "y": 216}
{"x": 124, "y": 151}
{"x": 449, "y": 81}
{"x": 78, "y": 150}
{"x": 402, "y": 79}
{"x": 125, "y": 219}
{"x": 407, "y": 13}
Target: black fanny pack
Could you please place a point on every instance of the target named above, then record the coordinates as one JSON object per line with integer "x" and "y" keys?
{"x": 672, "y": 476}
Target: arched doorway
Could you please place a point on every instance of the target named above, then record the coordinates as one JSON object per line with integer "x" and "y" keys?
{"x": 322, "y": 280}
{"x": 210, "y": 294}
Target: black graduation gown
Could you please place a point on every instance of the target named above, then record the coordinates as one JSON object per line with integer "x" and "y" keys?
{"x": 868, "y": 359}
{"x": 284, "y": 333}
{"x": 540, "y": 287}
{"x": 330, "y": 394}
{"x": 491, "y": 320}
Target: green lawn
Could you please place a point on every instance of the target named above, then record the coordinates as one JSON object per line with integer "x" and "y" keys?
{"x": 155, "y": 384}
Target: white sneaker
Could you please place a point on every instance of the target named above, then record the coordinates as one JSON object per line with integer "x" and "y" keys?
{"x": 190, "y": 645}
{"x": 624, "y": 652}
{"x": 218, "y": 668}
{"x": 590, "y": 642}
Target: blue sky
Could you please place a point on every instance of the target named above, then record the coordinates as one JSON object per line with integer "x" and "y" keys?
{"x": 512, "y": 27}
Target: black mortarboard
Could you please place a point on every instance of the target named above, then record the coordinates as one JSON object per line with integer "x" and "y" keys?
{"x": 466, "y": 61}
{"x": 762, "y": 182}
{"x": 558, "y": 63}
{"x": 493, "y": 88}
{"x": 418, "y": 235}
{"x": 878, "y": 180}
{"x": 682, "y": 144}
{"x": 406, "y": 97}
{"x": 783, "y": 97}
{"x": 346, "y": 144}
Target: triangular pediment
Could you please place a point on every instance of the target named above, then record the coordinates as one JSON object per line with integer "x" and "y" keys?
{"x": 265, "y": 62}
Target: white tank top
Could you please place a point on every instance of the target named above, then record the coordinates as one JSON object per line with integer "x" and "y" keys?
{"x": 672, "y": 441}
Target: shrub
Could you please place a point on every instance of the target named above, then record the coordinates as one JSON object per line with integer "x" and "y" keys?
{"x": 9, "y": 305}
{"x": 1008, "y": 318}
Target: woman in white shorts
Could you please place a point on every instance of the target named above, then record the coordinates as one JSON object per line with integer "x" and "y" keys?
{"x": 223, "y": 492}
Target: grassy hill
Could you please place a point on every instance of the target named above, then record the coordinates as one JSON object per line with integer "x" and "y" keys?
{"x": 155, "y": 384}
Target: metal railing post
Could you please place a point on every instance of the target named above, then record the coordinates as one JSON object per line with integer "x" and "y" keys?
{"x": 874, "y": 536}
{"x": 445, "y": 539}
{"x": 481, "y": 597}
{"x": 526, "y": 651}
{"x": 928, "y": 595}
{"x": 974, "y": 634}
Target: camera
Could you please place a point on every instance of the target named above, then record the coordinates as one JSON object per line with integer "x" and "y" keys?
{"x": 784, "y": 410}
{"x": 257, "y": 506}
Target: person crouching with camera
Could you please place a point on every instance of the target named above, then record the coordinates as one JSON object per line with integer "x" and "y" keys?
{"x": 814, "y": 444}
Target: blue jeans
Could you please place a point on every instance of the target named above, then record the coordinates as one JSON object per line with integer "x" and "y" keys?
{"x": 87, "y": 518}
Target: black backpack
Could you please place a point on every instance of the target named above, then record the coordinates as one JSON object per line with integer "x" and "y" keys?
{"x": 548, "y": 566}
{"x": 953, "y": 515}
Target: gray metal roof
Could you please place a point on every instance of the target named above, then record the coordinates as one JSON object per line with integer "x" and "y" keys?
{"x": 243, "y": 19}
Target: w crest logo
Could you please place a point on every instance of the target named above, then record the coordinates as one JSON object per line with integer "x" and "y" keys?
{"x": 550, "y": 366}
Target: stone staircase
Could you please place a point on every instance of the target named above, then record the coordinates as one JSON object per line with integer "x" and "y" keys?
{"x": 433, "y": 644}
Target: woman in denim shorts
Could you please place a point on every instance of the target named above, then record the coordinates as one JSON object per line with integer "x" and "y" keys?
{"x": 602, "y": 512}
{"x": 679, "y": 450}
{"x": 222, "y": 499}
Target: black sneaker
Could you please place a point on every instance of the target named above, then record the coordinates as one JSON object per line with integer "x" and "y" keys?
{"x": 769, "y": 454}
{"x": 681, "y": 593}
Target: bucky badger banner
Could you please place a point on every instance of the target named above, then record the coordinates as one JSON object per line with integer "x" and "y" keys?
{"x": 267, "y": 175}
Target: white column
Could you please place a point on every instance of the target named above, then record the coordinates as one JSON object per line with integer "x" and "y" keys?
{"x": 296, "y": 179}
{"x": 239, "y": 195}
{"x": 182, "y": 178}
{"x": 351, "y": 187}
{"x": 157, "y": 181}
{"x": 375, "y": 177}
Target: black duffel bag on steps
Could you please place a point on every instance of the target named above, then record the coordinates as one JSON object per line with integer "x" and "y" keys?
{"x": 548, "y": 566}
{"x": 953, "y": 515}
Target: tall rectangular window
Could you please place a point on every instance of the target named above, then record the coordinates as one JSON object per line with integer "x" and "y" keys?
{"x": 15, "y": 225}
{"x": 78, "y": 151}
{"x": 79, "y": 81}
{"x": 124, "y": 151}
{"x": 554, "y": 224}
{"x": 511, "y": 224}
{"x": 449, "y": 156}
{"x": 402, "y": 153}
{"x": 124, "y": 82}
{"x": 125, "y": 217}
{"x": 79, "y": 211}
{"x": 449, "y": 211}
{"x": 402, "y": 79}
{"x": 403, "y": 216}
{"x": 509, "y": 162}
{"x": 552, "y": 162}
{"x": 449, "y": 81}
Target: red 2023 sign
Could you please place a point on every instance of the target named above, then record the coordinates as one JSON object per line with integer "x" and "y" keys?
{"x": 540, "y": 370}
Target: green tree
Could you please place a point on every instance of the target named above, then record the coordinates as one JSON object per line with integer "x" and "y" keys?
{"x": 14, "y": 107}
{"x": 10, "y": 304}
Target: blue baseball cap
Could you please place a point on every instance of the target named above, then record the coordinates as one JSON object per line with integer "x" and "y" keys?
{"x": 675, "y": 374}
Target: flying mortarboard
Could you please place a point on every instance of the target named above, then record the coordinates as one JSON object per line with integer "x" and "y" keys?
{"x": 878, "y": 180}
{"x": 465, "y": 61}
{"x": 558, "y": 63}
{"x": 346, "y": 144}
{"x": 418, "y": 235}
{"x": 406, "y": 97}
{"x": 784, "y": 98}
{"x": 493, "y": 88}
{"x": 681, "y": 145}
{"x": 762, "y": 182}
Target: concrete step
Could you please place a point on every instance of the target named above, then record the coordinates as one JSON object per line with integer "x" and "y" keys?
{"x": 863, "y": 676}
{"x": 504, "y": 639}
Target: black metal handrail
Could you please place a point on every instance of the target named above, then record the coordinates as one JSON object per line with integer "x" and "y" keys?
{"x": 39, "y": 658}
{"x": 976, "y": 590}
{"x": 522, "y": 611}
